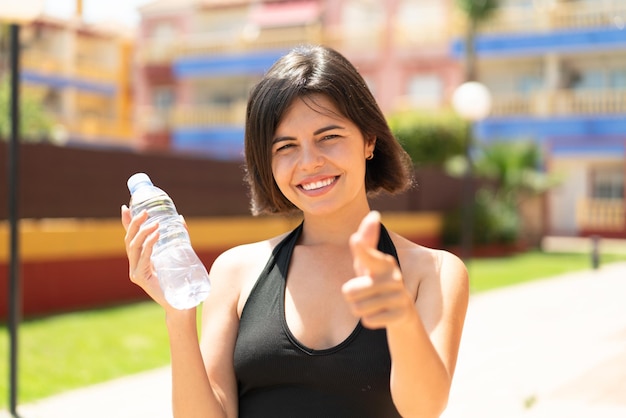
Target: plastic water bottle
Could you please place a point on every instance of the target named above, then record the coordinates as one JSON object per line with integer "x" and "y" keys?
{"x": 182, "y": 276}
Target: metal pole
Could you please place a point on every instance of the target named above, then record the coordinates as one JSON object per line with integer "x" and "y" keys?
{"x": 14, "y": 295}
{"x": 467, "y": 228}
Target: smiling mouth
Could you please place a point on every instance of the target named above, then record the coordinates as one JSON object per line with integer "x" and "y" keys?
{"x": 318, "y": 184}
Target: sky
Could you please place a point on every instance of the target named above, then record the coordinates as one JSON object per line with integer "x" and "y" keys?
{"x": 123, "y": 11}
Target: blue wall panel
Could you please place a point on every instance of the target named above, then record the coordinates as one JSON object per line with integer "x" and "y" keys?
{"x": 574, "y": 134}
{"x": 222, "y": 142}
{"x": 226, "y": 64}
{"x": 58, "y": 81}
{"x": 514, "y": 44}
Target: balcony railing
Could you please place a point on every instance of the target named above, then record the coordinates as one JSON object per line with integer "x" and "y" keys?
{"x": 422, "y": 41}
{"x": 96, "y": 73}
{"x": 552, "y": 16}
{"x": 155, "y": 52}
{"x": 364, "y": 39}
{"x": 601, "y": 214}
{"x": 42, "y": 62}
{"x": 155, "y": 120}
{"x": 209, "y": 115}
{"x": 103, "y": 129}
{"x": 46, "y": 63}
{"x": 562, "y": 102}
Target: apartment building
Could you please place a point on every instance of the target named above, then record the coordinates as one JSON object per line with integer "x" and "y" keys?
{"x": 198, "y": 59}
{"x": 81, "y": 73}
{"x": 557, "y": 73}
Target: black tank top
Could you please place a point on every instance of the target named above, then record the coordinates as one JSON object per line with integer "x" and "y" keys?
{"x": 277, "y": 377}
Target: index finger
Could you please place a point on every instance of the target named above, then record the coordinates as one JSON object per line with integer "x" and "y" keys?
{"x": 126, "y": 217}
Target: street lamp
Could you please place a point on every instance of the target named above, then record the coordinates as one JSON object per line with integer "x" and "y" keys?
{"x": 15, "y": 13}
{"x": 472, "y": 102}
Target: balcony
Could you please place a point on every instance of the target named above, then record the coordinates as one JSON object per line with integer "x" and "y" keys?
{"x": 41, "y": 61}
{"x": 193, "y": 116}
{"x": 95, "y": 72}
{"x": 561, "y": 102}
{"x": 92, "y": 128}
{"x": 154, "y": 52}
{"x": 154, "y": 120}
{"x": 65, "y": 73}
{"x": 558, "y": 16}
{"x": 601, "y": 215}
{"x": 439, "y": 36}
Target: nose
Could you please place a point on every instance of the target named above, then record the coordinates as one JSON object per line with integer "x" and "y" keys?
{"x": 311, "y": 157}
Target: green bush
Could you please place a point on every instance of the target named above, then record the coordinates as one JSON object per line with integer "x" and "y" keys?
{"x": 430, "y": 139}
{"x": 494, "y": 222}
{"x": 34, "y": 123}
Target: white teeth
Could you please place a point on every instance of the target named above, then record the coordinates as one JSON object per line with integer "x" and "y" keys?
{"x": 318, "y": 184}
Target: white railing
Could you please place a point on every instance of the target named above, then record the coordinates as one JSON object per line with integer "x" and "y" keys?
{"x": 208, "y": 115}
{"x": 601, "y": 214}
{"x": 46, "y": 63}
{"x": 562, "y": 15}
{"x": 154, "y": 52}
{"x": 96, "y": 128}
{"x": 153, "y": 120}
{"x": 562, "y": 102}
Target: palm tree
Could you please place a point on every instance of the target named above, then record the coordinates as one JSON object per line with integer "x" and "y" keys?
{"x": 511, "y": 174}
{"x": 515, "y": 167}
{"x": 476, "y": 12}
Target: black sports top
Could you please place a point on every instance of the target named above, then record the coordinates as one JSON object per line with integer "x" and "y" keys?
{"x": 278, "y": 377}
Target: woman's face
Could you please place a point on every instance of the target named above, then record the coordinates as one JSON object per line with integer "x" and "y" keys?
{"x": 318, "y": 157}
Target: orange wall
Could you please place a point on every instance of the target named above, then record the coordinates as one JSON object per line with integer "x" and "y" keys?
{"x": 70, "y": 264}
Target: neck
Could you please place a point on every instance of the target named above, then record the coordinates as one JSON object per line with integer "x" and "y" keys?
{"x": 332, "y": 229}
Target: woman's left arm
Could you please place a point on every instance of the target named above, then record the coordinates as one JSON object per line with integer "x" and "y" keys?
{"x": 423, "y": 333}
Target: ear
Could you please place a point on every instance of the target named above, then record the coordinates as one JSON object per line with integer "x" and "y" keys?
{"x": 370, "y": 144}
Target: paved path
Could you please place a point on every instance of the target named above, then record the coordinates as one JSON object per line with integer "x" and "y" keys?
{"x": 553, "y": 348}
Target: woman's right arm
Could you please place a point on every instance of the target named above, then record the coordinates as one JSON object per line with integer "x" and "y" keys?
{"x": 201, "y": 387}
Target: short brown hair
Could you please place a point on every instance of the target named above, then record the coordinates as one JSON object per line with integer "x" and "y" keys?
{"x": 306, "y": 71}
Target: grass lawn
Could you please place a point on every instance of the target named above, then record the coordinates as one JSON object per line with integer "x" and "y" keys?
{"x": 72, "y": 350}
{"x": 68, "y": 351}
{"x": 491, "y": 273}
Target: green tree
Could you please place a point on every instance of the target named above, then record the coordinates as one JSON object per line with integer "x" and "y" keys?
{"x": 34, "y": 123}
{"x": 430, "y": 139}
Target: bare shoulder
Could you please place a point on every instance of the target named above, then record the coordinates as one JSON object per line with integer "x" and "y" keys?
{"x": 237, "y": 269}
{"x": 425, "y": 267}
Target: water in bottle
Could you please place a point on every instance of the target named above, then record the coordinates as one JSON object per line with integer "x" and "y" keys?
{"x": 182, "y": 276}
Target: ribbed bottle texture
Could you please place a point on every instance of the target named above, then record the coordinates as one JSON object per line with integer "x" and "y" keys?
{"x": 182, "y": 276}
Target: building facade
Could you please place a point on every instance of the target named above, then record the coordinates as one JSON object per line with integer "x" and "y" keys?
{"x": 81, "y": 73}
{"x": 556, "y": 70}
{"x": 199, "y": 59}
{"x": 557, "y": 73}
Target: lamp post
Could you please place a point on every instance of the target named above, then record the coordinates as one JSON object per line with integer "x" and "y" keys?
{"x": 472, "y": 102}
{"x": 15, "y": 13}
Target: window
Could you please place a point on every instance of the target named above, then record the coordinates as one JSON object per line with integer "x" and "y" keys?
{"x": 529, "y": 83}
{"x": 415, "y": 15}
{"x": 163, "y": 97}
{"x": 617, "y": 79}
{"x": 425, "y": 90}
{"x": 589, "y": 80}
{"x": 359, "y": 13}
{"x": 163, "y": 31}
{"x": 608, "y": 183}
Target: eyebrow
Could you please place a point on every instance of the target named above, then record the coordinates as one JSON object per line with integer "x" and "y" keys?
{"x": 317, "y": 132}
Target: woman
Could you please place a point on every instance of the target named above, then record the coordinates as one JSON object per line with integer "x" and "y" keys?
{"x": 338, "y": 318}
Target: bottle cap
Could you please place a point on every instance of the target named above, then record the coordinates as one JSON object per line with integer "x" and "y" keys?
{"x": 137, "y": 180}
